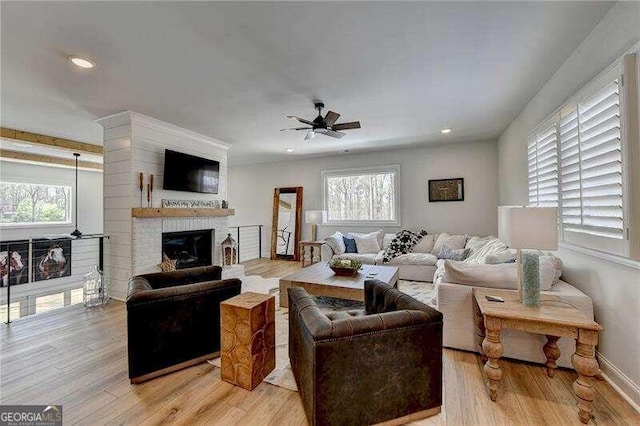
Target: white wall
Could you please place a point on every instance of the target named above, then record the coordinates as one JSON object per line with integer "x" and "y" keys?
{"x": 251, "y": 187}
{"x": 614, "y": 288}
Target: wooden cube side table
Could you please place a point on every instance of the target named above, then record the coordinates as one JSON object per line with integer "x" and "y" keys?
{"x": 248, "y": 332}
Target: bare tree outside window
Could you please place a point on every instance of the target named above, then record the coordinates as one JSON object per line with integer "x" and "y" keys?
{"x": 34, "y": 203}
{"x": 365, "y": 197}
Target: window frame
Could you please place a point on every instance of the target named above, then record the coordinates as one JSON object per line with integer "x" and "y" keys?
{"x": 617, "y": 247}
{"x": 358, "y": 171}
{"x": 30, "y": 181}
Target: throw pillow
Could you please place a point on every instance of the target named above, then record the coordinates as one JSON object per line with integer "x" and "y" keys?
{"x": 336, "y": 243}
{"x": 455, "y": 242}
{"x": 349, "y": 245}
{"x": 367, "y": 243}
{"x": 378, "y": 234}
{"x": 403, "y": 243}
{"x": 452, "y": 254}
{"x": 167, "y": 265}
{"x": 425, "y": 245}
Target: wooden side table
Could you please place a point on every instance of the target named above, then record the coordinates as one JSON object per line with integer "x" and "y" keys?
{"x": 554, "y": 318}
{"x": 312, "y": 246}
{"x": 248, "y": 331}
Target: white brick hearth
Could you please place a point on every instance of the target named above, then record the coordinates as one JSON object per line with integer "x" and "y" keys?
{"x": 134, "y": 144}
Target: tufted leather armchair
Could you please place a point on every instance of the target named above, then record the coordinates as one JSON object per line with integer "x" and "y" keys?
{"x": 173, "y": 319}
{"x": 366, "y": 367}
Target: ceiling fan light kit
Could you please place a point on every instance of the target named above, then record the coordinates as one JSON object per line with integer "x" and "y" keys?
{"x": 323, "y": 125}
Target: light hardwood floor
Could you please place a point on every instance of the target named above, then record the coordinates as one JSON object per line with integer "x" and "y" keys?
{"x": 77, "y": 358}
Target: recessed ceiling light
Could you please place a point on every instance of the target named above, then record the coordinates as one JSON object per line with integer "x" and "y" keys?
{"x": 445, "y": 131}
{"x": 22, "y": 145}
{"x": 81, "y": 62}
{"x": 289, "y": 149}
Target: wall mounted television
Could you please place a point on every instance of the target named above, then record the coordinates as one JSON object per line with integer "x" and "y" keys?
{"x": 184, "y": 172}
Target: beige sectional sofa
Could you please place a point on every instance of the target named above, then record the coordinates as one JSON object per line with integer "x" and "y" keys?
{"x": 455, "y": 300}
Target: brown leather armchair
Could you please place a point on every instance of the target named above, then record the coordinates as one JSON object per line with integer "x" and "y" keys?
{"x": 173, "y": 319}
{"x": 366, "y": 367}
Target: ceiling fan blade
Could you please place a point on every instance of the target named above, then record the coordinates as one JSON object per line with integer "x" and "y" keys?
{"x": 346, "y": 126}
{"x": 295, "y": 128}
{"x": 302, "y": 120}
{"x": 310, "y": 135}
{"x": 333, "y": 134}
{"x": 331, "y": 118}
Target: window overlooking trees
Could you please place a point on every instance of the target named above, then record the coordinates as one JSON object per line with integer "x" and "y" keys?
{"x": 34, "y": 203}
{"x": 362, "y": 195}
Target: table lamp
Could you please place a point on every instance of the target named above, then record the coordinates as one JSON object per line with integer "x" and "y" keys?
{"x": 528, "y": 228}
{"x": 315, "y": 218}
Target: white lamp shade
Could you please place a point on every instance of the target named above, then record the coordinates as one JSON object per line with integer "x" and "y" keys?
{"x": 528, "y": 227}
{"x": 315, "y": 217}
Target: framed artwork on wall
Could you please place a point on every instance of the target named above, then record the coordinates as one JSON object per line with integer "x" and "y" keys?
{"x": 446, "y": 190}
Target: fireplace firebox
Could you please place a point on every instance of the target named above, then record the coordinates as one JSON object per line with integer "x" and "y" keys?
{"x": 189, "y": 248}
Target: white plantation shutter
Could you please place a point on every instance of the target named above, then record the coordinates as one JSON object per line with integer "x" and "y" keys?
{"x": 591, "y": 161}
{"x": 543, "y": 167}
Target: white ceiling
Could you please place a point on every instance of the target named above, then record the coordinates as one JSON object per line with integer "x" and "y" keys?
{"x": 234, "y": 70}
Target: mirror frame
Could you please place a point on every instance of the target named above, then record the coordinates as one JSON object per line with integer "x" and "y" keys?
{"x": 274, "y": 223}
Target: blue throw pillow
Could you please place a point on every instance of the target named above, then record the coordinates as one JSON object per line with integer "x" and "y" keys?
{"x": 350, "y": 245}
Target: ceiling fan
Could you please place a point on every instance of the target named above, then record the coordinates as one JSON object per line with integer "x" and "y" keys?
{"x": 323, "y": 125}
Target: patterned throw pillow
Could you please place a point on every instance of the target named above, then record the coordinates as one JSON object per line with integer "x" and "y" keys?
{"x": 403, "y": 243}
{"x": 453, "y": 254}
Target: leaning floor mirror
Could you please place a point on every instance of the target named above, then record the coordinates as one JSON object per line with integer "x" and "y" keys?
{"x": 287, "y": 223}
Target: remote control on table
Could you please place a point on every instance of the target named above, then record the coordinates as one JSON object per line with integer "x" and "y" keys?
{"x": 495, "y": 299}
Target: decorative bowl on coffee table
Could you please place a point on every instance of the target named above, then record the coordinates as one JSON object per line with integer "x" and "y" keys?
{"x": 345, "y": 267}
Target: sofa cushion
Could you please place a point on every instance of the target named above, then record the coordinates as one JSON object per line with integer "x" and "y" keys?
{"x": 425, "y": 245}
{"x": 506, "y": 256}
{"x": 387, "y": 240}
{"x": 336, "y": 242}
{"x": 499, "y": 276}
{"x": 367, "y": 243}
{"x": 424, "y": 259}
{"x": 452, "y": 241}
{"x": 365, "y": 258}
{"x": 378, "y": 234}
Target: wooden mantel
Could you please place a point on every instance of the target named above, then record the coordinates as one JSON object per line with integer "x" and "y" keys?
{"x": 158, "y": 212}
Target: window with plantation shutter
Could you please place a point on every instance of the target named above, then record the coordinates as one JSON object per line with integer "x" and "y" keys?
{"x": 576, "y": 161}
{"x": 543, "y": 166}
{"x": 591, "y": 165}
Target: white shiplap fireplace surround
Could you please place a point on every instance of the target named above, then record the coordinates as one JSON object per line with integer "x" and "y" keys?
{"x": 135, "y": 143}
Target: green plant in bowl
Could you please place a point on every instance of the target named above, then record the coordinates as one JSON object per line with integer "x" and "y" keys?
{"x": 345, "y": 266}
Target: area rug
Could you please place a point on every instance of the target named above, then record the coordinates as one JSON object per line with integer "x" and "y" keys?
{"x": 282, "y": 375}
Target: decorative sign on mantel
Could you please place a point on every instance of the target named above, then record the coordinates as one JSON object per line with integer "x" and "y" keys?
{"x": 191, "y": 204}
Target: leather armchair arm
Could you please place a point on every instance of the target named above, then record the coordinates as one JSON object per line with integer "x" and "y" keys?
{"x": 141, "y": 293}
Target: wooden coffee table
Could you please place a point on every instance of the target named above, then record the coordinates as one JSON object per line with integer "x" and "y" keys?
{"x": 319, "y": 280}
{"x": 554, "y": 318}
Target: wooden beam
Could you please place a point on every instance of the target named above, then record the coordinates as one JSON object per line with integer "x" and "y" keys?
{"x": 46, "y": 159}
{"x": 51, "y": 141}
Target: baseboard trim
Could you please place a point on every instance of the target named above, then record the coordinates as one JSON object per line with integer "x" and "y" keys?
{"x": 622, "y": 384}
